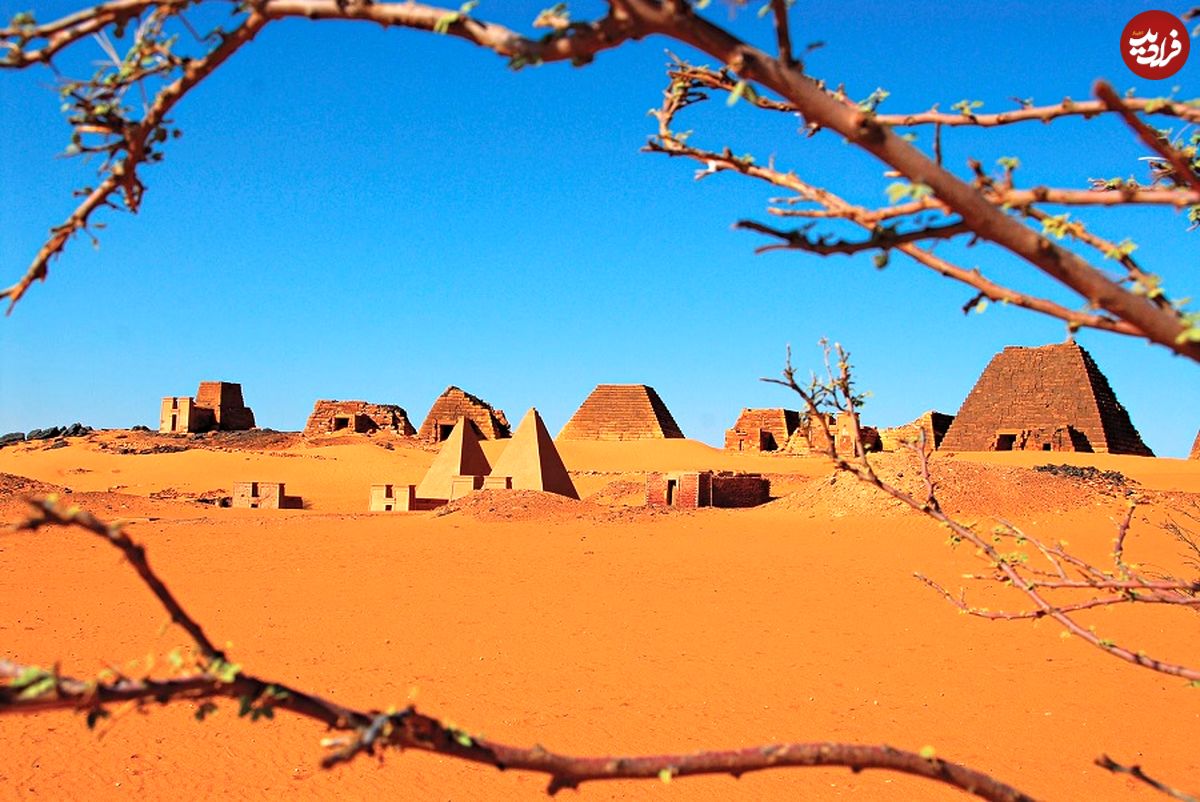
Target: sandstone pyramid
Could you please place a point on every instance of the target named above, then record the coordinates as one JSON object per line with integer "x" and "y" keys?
{"x": 1195, "y": 448}
{"x": 532, "y": 461}
{"x": 455, "y": 403}
{"x": 621, "y": 412}
{"x": 1049, "y": 398}
{"x": 461, "y": 455}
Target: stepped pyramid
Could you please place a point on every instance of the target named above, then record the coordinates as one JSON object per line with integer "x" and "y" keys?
{"x": 461, "y": 455}
{"x": 1049, "y": 398}
{"x": 621, "y": 412}
{"x": 532, "y": 461}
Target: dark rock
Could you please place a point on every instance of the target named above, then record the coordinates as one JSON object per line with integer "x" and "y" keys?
{"x": 12, "y": 437}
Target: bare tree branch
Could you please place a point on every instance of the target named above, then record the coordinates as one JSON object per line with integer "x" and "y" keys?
{"x": 25, "y": 689}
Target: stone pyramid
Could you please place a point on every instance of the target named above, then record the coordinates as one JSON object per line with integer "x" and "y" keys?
{"x": 532, "y": 460}
{"x": 1195, "y": 448}
{"x": 461, "y": 455}
{"x": 1052, "y": 397}
{"x": 621, "y": 412}
{"x": 455, "y": 403}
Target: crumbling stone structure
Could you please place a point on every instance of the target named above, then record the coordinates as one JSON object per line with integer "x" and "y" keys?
{"x": 933, "y": 424}
{"x": 357, "y": 416}
{"x": 762, "y": 430}
{"x": 454, "y": 404}
{"x": 811, "y": 436}
{"x": 1049, "y": 398}
{"x": 217, "y": 406}
{"x": 694, "y": 489}
{"x": 621, "y": 412}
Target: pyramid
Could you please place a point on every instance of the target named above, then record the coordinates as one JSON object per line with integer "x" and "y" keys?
{"x": 1195, "y": 448}
{"x": 762, "y": 429}
{"x": 621, "y": 412}
{"x": 532, "y": 460}
{"x": 455, "y": 403}
{"x": 461, "y": 455}
{"x": 1049, "y": 398}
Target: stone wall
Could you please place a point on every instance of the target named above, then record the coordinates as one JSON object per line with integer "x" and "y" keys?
{"x": 1026, "y": 395}
{"x": 455, "y": 403}
{"x": 357, "y": 416}
{"x": 621, "y": 412}
{"x": 740, "y": 490}
{"x": 258, "y": 495}
{"x": 216, "y": 406}
{"x": 933, "y": 424}
{"x": 762, "y": 429}
{"x": 225, "y": 400}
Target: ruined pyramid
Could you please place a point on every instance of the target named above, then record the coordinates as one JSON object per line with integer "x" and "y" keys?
{"x": 461, "y": 455}
{"x": 621, "y": 412}
{"x": 532, "y": 461}
{"x": 1049, "y": 398}
{"x": 455, "y": 403}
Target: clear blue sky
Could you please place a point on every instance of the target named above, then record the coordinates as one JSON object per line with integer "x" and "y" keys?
{"x": 364, "y": 214}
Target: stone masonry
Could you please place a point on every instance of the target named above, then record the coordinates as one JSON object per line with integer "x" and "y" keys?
{"x": 933, "y": 424}
{"x": 454, "y": 404}
{"x": 1049, "y": 398}
{"x": 621, "y": 412}
{"x": 762, "y": 429}
{"x": 357, "y": 416}
{"x": 216, "y": 406}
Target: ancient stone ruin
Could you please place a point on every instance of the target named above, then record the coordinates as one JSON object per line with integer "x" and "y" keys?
{"x": 694, "y": 489}
{"x": 359, "y": 417}
{"x": 933, "y": 424}
{"x": 621, "y": 412}
{"x": 811, "y": 437}
{"x": 217, "y": 406}
{"x": 1049, "y": 398}
{"x": 1195, "y": 448}
{"x": 531, "y": 461}
{"x": 264, "y": 496}
{"x": 762, "y": 430}
{"x": 454, "y": 404}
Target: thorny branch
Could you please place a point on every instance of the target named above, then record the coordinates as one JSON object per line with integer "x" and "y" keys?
{"x": 681, "y": 94}
{"x": 987, "y": 217}
{"x": 1125, "y": 583}
{"x": 25, "y": 689}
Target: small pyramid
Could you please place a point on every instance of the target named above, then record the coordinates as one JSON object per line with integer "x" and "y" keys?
{"x": 461, "y": 455}
{"x": 1195, "y": 448}
{"x": 532, "y": 460}
{"x": 621, "y": 412}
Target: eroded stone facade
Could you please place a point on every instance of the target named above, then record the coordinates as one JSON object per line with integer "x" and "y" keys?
{"x": 456, "y": 403}
{"x": 329, "y": 417}
{"x": 934, "y": 425}
{"x": 695, "y": 489}
{"x": 762, "y": 429}
{"x": 217, "y": 406}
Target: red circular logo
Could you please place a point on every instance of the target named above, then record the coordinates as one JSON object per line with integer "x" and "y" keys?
{"x": 1154, "y": 45}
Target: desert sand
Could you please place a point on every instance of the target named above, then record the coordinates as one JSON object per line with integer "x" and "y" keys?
{"x": 594, "y": 627}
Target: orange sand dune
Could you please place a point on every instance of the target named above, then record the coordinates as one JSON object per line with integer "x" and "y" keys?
{"x": 594, "y": 633}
